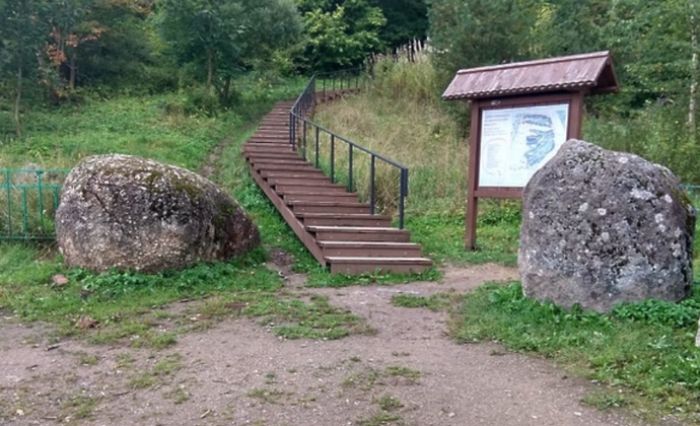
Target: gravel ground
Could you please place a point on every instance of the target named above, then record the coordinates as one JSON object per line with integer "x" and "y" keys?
{"x": 239, "y": 373}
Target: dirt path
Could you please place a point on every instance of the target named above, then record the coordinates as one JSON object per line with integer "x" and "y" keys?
{"x": 239, "y": 373}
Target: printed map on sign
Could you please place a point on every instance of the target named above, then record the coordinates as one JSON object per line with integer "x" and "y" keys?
{"x": 516, "y": 142}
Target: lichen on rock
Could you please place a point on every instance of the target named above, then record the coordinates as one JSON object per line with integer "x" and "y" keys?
{"x": 130, "y": 213}
{"x": 603, "y": 227}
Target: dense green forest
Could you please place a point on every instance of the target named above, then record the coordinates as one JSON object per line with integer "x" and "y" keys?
{"x": 62, "y": 52}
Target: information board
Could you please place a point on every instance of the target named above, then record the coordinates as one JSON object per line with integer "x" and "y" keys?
{"x": 517, "y": 141}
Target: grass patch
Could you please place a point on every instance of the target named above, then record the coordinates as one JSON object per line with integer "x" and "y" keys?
{"x": 79, "y": 407}
{"x": 643, "y": 353}
{"x": 269, "y": 395}
{"x": 435, "y": 302}
{"x": 381, "y": 419}
{"x": 294, "y": 319}
{"x": 163, "y": 369}
{"x": 389, "y": 403}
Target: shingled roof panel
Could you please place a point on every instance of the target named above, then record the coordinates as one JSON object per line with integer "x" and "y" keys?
{"x": 592, "y": 71}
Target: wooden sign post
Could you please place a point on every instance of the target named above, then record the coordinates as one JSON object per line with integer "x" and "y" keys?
{"x": 521, "y": 114}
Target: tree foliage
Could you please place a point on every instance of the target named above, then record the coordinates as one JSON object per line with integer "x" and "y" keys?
{"x": 339, "y": 34}
{"x": 223, "y": 38}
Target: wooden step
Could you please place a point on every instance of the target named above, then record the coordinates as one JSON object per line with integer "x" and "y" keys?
{"x": 343, "y": 219}
{"x": 328, "y": 207}
{"x": 369, "y": 249}
{"x": 280, "y": 162}
{"x": 269, "y": 149}
{"x": 321, "y": 181}
{"x": 273, "y": 139}
{"x": 261, "y": 156}
{"x": 356, "y": 233}
{"x": 325, "y": 189}
{"x": 266, "y": 145}
{"x": 355, "y": 265}
{"x": 294, "y": 174}
{"x": 261, "y": 167}
{"x": 299, "y": 196}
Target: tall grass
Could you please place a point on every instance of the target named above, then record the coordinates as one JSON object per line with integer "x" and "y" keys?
{"x": 401, "y": 117}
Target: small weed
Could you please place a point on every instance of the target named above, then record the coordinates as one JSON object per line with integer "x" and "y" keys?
{"x": 364, "y": 380}
{"x": 381, "y": 419}
{"x": 409, "y": 374}
{"x": 158, "y": 374}
{"x": 79, "y": 407}
{"x": 88, "y": 359}
{"x": 125, "y": 360}
{"x": 178, "y": 395}
{"x": 269, "y": 396}
{"x": 389, "y": 403}
{"x": 606, "y": 399}
{"x": 436, "y": 302}
{"x": 270, "y": 378}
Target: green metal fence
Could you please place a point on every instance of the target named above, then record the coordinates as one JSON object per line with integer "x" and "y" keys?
{"x": 28, "y": 201}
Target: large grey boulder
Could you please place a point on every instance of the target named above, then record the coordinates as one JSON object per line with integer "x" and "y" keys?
{"x": 130, "y": 213}
{"x": 602, "y": 227}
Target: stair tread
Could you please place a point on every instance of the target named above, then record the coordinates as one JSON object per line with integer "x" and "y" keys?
{"x": 365, "y": 244}
{"x": 326, "y": 203}
{"x": 379, "y": 260}
{"x": 343, "y": 215}
{"x": 352, "y": 229}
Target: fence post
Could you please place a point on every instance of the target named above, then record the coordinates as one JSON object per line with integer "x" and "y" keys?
{"x": 8, "y": 182}
{"x": 40, "y": 188}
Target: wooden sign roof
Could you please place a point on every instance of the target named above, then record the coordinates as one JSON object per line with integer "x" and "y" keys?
{"x": 588, "y": 72}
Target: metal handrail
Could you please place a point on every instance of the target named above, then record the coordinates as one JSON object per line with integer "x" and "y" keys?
{"x": 298, "y": 118}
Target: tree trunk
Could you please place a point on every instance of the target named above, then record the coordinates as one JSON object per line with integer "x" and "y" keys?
{"x": 694, "y": 71}
{"x": 210, "y": 68}
{"x": 72, "y": 70}
{"x": 18, "y": 101}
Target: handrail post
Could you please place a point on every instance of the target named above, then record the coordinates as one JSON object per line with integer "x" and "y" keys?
{"x": 291, "y": 128}
{"x": 317, "y": 136}
{"x": 332, "y": 158}
{"x": 402, "y": 196}
{"x": 304, "y": 139}
{"x": 350, "y": 168}
{"x": 372, "y": 188}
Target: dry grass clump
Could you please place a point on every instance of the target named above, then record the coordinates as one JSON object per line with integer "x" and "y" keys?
{"x": 401, "y": 117}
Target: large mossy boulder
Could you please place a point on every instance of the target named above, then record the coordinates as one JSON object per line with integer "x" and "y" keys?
{"x": 603, "y": 227}
{"x": 130, "y": 213}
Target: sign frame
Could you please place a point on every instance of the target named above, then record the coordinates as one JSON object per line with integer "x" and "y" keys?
{"x": 474, "y": 189}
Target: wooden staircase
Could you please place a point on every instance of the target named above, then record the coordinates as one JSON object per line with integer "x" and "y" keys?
{"x": 331, "y": 222}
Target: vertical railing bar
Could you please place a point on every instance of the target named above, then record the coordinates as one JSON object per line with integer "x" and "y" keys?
{"x": 317, "y": 136}
{"x": 25, "y": 212}
{"x": 304, "y": 140}
{"x": 332, "y": 158}
{"x": 41, "y": 198}
{"x": 350, "y": 168}
{"x": 8, "y": 182}
{"x": 402, "y": 196}
{"x": 372, "y": 187}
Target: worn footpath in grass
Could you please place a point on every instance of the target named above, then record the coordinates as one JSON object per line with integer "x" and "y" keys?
{"x": 131, "y": 307}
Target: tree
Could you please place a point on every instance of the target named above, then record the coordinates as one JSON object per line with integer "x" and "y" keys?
{"x": 22, "y": 32}
{"x": 339, "y": 34}
{"x": 224, "y": 37}
{"x": 480, "y": 32}
{"x": 405, "y": 20}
